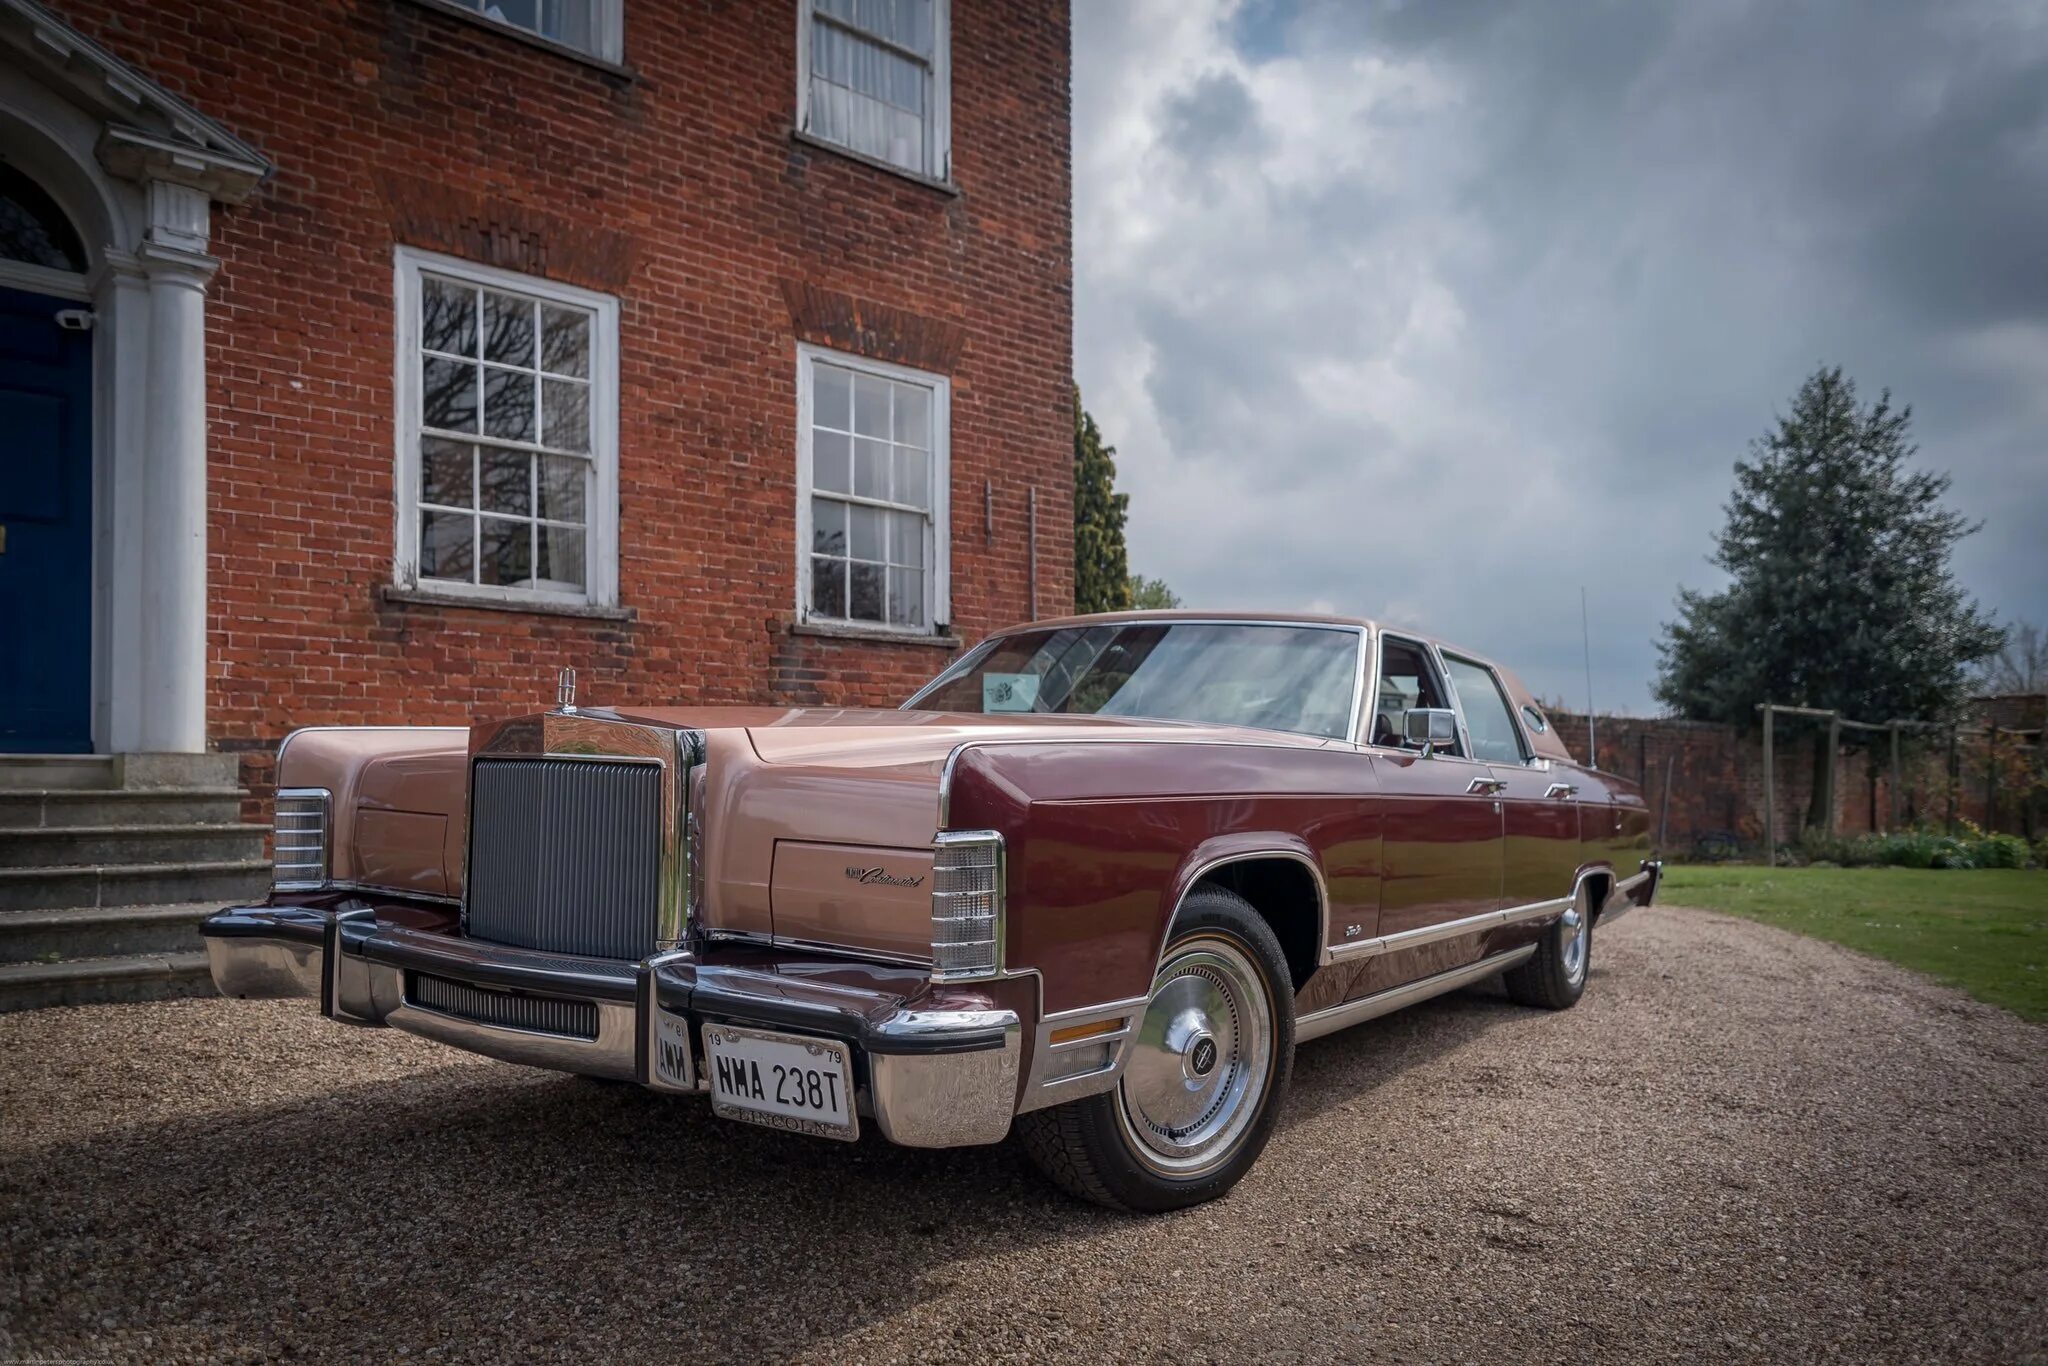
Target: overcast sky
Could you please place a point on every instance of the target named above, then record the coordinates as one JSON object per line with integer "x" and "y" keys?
{"x": 1437, "y": 311}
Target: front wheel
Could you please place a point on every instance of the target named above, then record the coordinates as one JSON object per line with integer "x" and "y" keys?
{"x": 1203, "y": 1079}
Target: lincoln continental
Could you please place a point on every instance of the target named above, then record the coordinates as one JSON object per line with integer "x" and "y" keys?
{"x": 1094, "y": 884}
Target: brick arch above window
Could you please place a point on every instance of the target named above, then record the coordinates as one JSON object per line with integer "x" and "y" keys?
{"x": 861, "y": 327}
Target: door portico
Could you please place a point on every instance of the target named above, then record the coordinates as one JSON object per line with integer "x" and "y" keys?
{"x": 136, "y": 172}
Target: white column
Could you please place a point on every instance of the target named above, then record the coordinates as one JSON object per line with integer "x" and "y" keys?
{"x": 173, "y": 561}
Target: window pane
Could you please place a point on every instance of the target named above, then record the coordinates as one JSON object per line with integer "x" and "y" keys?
{"x": 519, "y": 13}
{"x": 906, "y": 597}
{"x": 906, "y": 539}
{"x": 570, "y": 21}
{"x": 828, "y": 587}
{"x": 866, "y": 592}
{"x": 447, "y": 316}
{"x": 508, "y": 404}
{"x": 864, "y": 532}
{"x": 871, "y": 469}
{"x": 508, "y": 329}
{"x": 910, "y": 478}
{"x": 832, "y": 398}
{"x": 565, "y": 342}
{"x": 828, "y": 527}
{"x": 565, "y": 408}
{"x": 504, "y": 481}
{"x": 445, "y": 545}
{"x": 1486, "y": 713}
{"x": 505, "y": 552}
{"x": 560, "y": 563}
{"x": 562, "y": 483}
{"x": 445, "y": 473}
{"x": 914, "y": 416}
{"x": 831, "y": 455}
{"x": 870, "y": 405}
{"x": 448, "y": 394}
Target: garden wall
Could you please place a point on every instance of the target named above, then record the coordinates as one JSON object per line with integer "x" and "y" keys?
{"x": 1705, "y": 782}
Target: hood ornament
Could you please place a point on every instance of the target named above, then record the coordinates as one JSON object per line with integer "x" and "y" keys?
{"x": 565, "y": 690}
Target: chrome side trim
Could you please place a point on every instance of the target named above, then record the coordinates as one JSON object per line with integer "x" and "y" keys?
{"x": 1452, "y": 929}
{"x": 1039, "y": 1092}
{"x": 1322, "y": 1022}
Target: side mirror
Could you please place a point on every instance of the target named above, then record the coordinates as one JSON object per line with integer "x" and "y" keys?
{"x": 1431, "y": 727}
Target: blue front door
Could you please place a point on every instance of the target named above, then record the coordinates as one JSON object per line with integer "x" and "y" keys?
{"x": 46, "y": 523}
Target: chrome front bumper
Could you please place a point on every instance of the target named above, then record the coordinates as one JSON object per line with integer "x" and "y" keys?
{"x": 929, "y": 1077}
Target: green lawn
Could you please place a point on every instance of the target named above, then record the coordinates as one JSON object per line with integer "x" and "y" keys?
{"x": 1983, "y": 930}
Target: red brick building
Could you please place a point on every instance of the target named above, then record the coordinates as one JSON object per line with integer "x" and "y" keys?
{"x": 412, "y": 349}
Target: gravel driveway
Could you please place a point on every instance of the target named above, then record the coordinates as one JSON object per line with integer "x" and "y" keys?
{"x": 1741, "y": 1144}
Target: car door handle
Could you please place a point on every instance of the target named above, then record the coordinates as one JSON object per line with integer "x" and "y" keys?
{"x": 1486, "y": 787}
{"x": 1563, "y": 791}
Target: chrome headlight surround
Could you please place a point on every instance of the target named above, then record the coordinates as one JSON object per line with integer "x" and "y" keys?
{"x": 300, "y": 859}
{"x": 968, "y": 876}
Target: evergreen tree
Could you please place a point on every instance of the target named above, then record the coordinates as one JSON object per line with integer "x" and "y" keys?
{"x": 1101, "y": 567}
{"x": 1841, "y": 593}
{"x": 1152, "y": 595}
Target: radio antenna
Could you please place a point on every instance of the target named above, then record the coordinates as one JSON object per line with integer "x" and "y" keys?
{"x": 1592, "y": 733}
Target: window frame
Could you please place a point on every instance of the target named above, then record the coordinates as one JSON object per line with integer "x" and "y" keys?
{"x": 1527, "y": 750}
{"x": 939, "y": 171}
{"x": 601, "y": 516}
{"x": 939, "y": 563}
{"x": 611, "y": 25}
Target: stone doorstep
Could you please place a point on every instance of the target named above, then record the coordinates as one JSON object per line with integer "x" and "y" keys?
{"x": 104, "y": 772}
{"x": 90, "y": 981}
{"x": 101, "y": 931}
{"x": 58, "y": 808}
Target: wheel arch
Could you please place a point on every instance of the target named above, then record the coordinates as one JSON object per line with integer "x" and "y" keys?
{"x": 1282, "y": 881}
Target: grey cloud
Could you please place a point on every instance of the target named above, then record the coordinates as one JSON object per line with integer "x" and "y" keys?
{"x": 1558, "y": 270}
{"x": 1211, "y": 118}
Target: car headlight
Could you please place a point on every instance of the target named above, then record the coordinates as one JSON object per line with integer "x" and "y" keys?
{"x": 967, "y": 905}
{"x": 298, "y": 839}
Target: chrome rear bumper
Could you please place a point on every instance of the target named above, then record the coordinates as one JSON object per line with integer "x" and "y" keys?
{"x": 934, "y": 1075}
{"x": 1637, "y": 889}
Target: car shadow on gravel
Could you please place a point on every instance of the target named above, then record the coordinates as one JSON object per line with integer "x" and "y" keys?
{"x": 478, "y": 1204}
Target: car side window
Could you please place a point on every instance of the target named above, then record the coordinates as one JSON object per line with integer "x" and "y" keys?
{"x": 1492, "y": 725}
{"x": 1407, "y": 681}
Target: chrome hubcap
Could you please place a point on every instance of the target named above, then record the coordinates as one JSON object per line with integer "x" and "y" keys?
{"x": 1198, "y": 1068}
{"x": 1574, "y": 929}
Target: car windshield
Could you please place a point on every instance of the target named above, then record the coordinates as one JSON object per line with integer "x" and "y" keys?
{"x": 1274, "y": 677}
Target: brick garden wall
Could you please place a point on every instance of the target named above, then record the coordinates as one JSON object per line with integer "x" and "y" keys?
{"x": 1705, "y": 782}
{"x": 681, "y": 192}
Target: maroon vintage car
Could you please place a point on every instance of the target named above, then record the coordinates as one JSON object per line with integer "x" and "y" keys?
{"x": 1094, "y": 882}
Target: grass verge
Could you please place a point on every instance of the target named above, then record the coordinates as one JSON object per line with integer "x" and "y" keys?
{"x": 1982, "y": 930}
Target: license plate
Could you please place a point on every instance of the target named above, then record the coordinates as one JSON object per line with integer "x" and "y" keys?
{"x": 672, "y": 1053}
{"x": 781, "y": 1081}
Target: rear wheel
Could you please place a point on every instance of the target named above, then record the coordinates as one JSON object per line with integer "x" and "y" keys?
{"x": 1555, "y": 977}
{"x": 1203, "y": 1079}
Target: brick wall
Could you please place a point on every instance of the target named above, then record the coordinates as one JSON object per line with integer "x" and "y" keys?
{"x": 681, "y": 192}
{"x": 1705, "y": 782}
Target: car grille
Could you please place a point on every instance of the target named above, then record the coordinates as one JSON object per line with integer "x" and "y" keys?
{"x": 506, "y": 1009}
{"x": 565, "y": 855}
